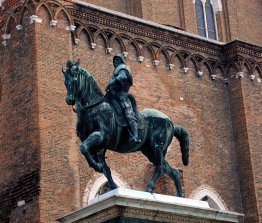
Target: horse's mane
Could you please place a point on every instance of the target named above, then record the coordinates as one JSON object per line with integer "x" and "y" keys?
{"x": 89, "y": 87}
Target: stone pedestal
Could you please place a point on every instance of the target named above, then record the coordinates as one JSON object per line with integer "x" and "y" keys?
{"x": 129, "y": 206}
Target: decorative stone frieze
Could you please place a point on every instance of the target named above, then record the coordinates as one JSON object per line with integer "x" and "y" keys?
{"x": 35, "y": 19}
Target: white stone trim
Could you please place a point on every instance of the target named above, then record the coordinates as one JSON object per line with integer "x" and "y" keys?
{"x": 199, "y": 73}
{"x": 213, "y": 77}
{"x": 185, "y": 70}
{"x": 77, "y": 41}
{"x": 6, "y": 36}
{"x": 239, "y": 75}
{"x": 125, "y": 54}
{"x": 53, "y": 23}
{"x": 171, "y": 66}
{"x": 19, "y": 27}
{"x": 93, "y": 45}
{"x": 35, "y": 19}
{"x": 205, "y": 190}
{"x": 252, "y": 77}
{"x": 156, "y": 62}
{"x": 217, "y": 5}
{"x": 140, "y": 59}
{"x": 70, "y": 28}
{"x": 109, "y": 50}
{"x": 100, "y": 181}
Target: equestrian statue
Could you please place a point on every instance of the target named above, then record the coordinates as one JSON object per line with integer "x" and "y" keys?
{"x": 112, "y": 121}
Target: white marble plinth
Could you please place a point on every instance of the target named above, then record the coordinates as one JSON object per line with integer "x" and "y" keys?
{"x": 148, "y": 207}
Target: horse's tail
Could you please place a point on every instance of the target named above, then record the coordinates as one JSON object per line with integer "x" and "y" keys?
{"x": 183, "y": 137}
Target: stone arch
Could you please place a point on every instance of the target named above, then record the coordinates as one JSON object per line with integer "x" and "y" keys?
{"x": 231, "y": 67}
{"x": 44, "y": 12}
{"x": 163, "y": 51}
{"x": 25, "y": 9}
{"x": 85, "y": 31}
{"x": 102, "y": 35}
{"x": 46, "y": 7}
{"x": 67, "y": 16}
{"x": 193, "y": 60}
{"x": 132, "y": 42}
{"x": 180, "y": 57}
{"x": 10, "y": 23}
{"x": 116, "y": 39}
{"x": 90, "y": 192}
{"x": 148, "y": 47}
{"x": 207, "y": 193}
{"x": 201, "y": 61}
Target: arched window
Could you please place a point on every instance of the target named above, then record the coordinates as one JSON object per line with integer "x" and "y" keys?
{"x": 206, "y": 193}
{"x": 206, "y": 17}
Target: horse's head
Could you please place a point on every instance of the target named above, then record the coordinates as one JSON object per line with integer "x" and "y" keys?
{"x": 71, "y": 81}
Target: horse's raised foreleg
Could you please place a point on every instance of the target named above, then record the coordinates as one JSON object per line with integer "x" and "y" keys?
{"x": 94, "y": 139}
{"x": 157, "y": 160}
{"x": 106, "y": 170}
{"x": 175, "y": 176}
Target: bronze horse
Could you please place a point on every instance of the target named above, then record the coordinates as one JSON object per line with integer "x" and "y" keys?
{"x": 101, "y": 127}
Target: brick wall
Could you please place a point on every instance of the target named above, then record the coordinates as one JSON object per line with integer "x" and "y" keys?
{"x": 19, "y": 140}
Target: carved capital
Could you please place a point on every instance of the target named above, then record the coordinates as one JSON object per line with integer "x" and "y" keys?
{"x": 109, "y": 50}
{"x": 93, "y": 45}
{"x": 185, "y": 70}
{"x": 140, "y": 59}
{"x": 53, "y": 23}
{"x": 77, "y": 41}
{"x": 35, "y": 19}
{"x": 199, "y": 73}
{"x": 125, "y": 54}
{"x": 70, "y": 28}
{"x": 226, "y": 81}
{"x": 171, "y": 66}
{"x": 6, "y": 36}
{"x": 213, "y": 77}
{"x": 156, "y": 62}
{"x": 252, "y": 77}
{"x": 240, "y": 75}
{"x": 19, "y": 27}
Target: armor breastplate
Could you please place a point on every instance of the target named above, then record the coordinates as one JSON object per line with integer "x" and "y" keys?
{"x": 124, "y": 67}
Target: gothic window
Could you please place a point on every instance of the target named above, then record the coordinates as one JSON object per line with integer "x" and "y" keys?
{"x": 200, "y": 18}
{"x": 206, "y": 19}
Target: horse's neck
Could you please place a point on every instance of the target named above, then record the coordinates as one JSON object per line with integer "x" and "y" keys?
{"x": 90, "y": 93}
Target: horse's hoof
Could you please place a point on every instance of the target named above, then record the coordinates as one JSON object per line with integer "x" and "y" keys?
{"x": 149, "y": 190}
{"x": 99, "y": 168}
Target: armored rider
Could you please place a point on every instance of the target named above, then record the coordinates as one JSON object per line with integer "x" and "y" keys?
{"x": 118, "y": 87}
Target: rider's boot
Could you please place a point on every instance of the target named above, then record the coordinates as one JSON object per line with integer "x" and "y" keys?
{"x": 133, "y": 126}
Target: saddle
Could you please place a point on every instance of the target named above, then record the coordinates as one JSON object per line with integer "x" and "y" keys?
{"x": 120, "y": 117}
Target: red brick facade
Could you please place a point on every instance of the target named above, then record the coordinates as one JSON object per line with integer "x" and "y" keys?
{"x": 43, "y": 174}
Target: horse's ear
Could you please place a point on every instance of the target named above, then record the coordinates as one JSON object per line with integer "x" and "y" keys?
{"x": 64, "y": 72}
{"x": 78, "y": 62}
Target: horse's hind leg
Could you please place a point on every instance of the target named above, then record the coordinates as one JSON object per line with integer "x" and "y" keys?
{"x": 175, "y": 176}
{"x": 157, "y": 159}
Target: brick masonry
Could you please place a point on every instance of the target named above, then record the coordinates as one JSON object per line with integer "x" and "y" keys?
{"x": 40, "y": 160}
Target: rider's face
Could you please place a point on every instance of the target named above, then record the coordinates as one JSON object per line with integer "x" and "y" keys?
{"x": 117, "y": 61}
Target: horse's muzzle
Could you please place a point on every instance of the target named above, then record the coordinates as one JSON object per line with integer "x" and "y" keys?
{"x": 70, "y": 100}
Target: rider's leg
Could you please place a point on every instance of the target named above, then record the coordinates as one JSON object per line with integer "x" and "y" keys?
{"x": 92, "y": 140}
{"x": 133, "y": 126}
